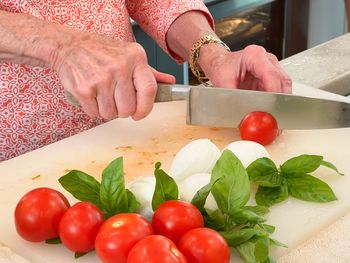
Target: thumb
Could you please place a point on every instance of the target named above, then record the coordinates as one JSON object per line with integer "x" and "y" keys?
{"x": 163, "y": 77}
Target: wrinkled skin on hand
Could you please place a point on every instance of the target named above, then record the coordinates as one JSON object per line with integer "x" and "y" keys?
{"x": 109, "y": 78}
{"x": 251, "y": 68}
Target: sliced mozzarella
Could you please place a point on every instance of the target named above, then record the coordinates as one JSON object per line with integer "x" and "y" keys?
{"x": 190, "y": 185}
{"x": 143, "y": 189}
{"x": 199, "y": 156}
{"x": 247, "y": 151}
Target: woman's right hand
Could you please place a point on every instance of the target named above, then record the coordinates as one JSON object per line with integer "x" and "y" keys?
{"x": 109, "y": 78}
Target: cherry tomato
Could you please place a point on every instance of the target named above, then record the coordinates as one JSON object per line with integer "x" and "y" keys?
{"x": 174, "y": 218}
{"x": 38, "y": 214}
{"x": 79, "y": 226}
{"x": 156, "y": 248}
{"x": 119, "y": 234}
{"x": 260, "y": 127}
{"x": 204, "y": 245}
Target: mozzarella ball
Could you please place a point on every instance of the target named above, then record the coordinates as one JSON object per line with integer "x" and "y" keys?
{"x": 143, "y": 188}
{"x": 247, "y": 151}
{"x": 190, "y": 185}
{"x": 199, "y": 156}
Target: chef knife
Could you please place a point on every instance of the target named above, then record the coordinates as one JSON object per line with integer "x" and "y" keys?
{"x": 219, "y": 107}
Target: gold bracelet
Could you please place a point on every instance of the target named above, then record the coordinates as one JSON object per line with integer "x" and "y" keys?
{"x": 194, "y": 55}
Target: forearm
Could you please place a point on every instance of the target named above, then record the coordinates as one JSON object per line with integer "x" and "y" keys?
{"x": 186, "y": 30}
{"x": 28, "y": 40}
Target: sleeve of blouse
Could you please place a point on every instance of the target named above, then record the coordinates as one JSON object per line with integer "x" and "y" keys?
{"x": 156, "y": 16}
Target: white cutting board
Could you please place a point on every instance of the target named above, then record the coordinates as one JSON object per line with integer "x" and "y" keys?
{"x": 158, "y": 138}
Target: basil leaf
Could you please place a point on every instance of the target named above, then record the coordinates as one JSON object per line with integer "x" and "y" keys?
{"x": 215, "y": 220}
{"x": 269, "y": 260}
{"x": 331, "y": 166}
{"x": 245, "y": 216}
{"x": 268, "y": 196}
{"x": 53, "y": 241}
{"x": 302, "y": 164}
{"x": 82, "y": 186}
{"x": 255, "y": 250}
{"x": 246, "y": 252}
{"x": 79, "y": 254}
{"x": 264, "y": 172}
{"x": 309, "y": 188}
{"x": 201, "y": 196}
{"x": 232, "y": 189}
{"x": 277, "y": 243}
{"x": 238, "y": 237}
{"x": 113, "y": 195}
{"x": 133, "y": 204}
{"x": 166, "y": 188}
{"x": 268, "y": 228}
{"x": 261, "y": 250}
{"x": 258, "y": 209}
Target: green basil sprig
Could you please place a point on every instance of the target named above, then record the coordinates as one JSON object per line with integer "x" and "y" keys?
{"x": 232, "y": 188}
{"x": 292, "y": 179}
{"x": 113, "y": 194}
{"x": 200, "y": 197}
{"x": 268, "y": 196}
{"x": 166, "y": 188}
{"x": 242, "y": 226}
{"x": 265, "y": 173}
{"x": 82, "y": 186}
{"x": 110, "y": 196}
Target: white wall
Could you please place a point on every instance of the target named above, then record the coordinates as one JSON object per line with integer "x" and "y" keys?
{"x": 327, "y": 21}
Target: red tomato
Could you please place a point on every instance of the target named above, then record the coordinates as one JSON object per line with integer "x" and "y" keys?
{"x": 79, "y": 226}
{"x": 204, "y": 245}
{"x": 156, "y": 248}
{"x": 38, "y": 214}
{"x": 119, "y": 234}
{"x": 174, "y": 218}
{"x": 260, "y": 127}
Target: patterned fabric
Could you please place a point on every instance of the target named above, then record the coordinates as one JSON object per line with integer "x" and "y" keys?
{"x": 33, "y": 109}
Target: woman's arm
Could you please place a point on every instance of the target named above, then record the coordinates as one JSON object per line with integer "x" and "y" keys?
{"x": 157, "y": 17}
{"x": 27, "y": 40}
{"x": 109, "y": 78}
{"x": 186, "y": 30}
{"x": 251, "y": 68}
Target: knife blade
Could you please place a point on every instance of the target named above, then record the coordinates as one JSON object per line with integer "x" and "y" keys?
{"x": 220, "y": 107}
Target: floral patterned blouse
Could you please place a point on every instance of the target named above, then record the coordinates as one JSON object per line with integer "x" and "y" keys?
{"x": 33, "y": 108}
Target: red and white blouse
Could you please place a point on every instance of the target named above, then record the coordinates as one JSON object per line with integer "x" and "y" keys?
{"x": 33, "y": 108}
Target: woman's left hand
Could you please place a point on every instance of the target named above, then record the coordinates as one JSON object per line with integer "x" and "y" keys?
{"x": 251, "y": 68}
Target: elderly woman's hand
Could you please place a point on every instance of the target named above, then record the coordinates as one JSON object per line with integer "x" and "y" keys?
{"x": 109, "y": 78}
{"x": 251, "y": 68}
